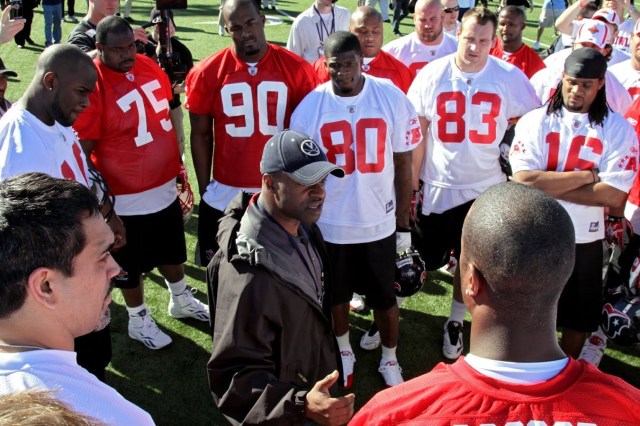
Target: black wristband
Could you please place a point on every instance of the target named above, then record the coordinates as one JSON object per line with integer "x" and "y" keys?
{"x": 615, "y": 218}
{"x": 400, "y": 229}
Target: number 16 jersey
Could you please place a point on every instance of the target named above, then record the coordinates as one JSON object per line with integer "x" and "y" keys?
{"x": 468, "y": 114}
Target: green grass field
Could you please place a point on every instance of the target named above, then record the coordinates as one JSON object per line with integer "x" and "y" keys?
{"x": 171, "y": 383}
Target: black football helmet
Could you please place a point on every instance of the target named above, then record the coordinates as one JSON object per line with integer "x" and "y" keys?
{"x": 620, "y": 319}
{"x": 410, "y": 273}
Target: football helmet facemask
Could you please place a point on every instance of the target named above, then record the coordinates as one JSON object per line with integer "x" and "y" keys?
{"x": 410, "y": 273}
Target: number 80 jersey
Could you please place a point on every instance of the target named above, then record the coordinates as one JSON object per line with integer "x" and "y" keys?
{"x": 469, "y": 114}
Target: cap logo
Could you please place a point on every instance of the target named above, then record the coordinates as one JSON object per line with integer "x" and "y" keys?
{"x": 309, "y": 148}
{"x": 593, "y": 29}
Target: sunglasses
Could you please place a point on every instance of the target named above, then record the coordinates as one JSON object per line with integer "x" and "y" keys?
{"x": 451, "y": 9}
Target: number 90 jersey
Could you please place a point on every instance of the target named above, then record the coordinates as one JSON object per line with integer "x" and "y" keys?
{"x": 360, "y": 134}
{"x": 136, "y": 147}
{"x": 248, "y": 104}
{"x": 570, "y": 143}
{"x": 468, "y": 114}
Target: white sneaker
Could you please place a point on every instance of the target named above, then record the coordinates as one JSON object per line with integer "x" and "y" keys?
{"x": 221, "y": 30}
{"x": 593, "y": 349}
{"x": 371, "y": 339}
{"x": 391, "y": 373}
{"x": 536, "y": 45}
{"x": 184, "y": 305}
{"x": 450, "y": 267}
{"x": 356, "y": 304}
{"x": 348, "y": 361}
{"x": 143, "y": 328}
{"x": 452, "y": 344}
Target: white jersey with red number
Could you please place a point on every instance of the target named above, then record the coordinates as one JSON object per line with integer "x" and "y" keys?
{"x": 623, "y": 38}
{"x": 545, "y": 83}
{"x": 136, "y": 148}
{"x": 569, "y": 143}
{"x": 468, "y": 115}
{"x": 415, "y": 54}
{"x": 360, "y": 134}
{"x": 29, "y": 145}
{"x": 248, "y": 104}
{"x": 628, "y": 77}
{"x": 632, "y": 208}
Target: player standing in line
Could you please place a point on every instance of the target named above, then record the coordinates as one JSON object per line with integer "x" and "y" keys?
{"x": 625, "y": 26}
{"x": 428, "y": 42}
{"x": 367, "y": 25}
{"x": 464, "y": 101}
{"x": 585, "y": 155}
{"x": 128, "y": 133}
{"x": 451, "y": 24}
{"x": 593, "y": 34}
{"x": 237, "y": 99}
{"x": 628, "y": 72}
{"x": 510, "y": 47}
{"x": 311, "y": 28}
{"x": 367, "y": 126}
{"x": 516, "y": 373}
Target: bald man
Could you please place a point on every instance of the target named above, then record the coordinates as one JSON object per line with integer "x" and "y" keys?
{"x": 36, "y": 136}
{"x": 428, "y": 42}
{"x": 512, "y": 276}
{"x": 367, "y": 24}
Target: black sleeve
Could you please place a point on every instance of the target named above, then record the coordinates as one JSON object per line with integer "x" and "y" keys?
{"x": 80, "y": 38}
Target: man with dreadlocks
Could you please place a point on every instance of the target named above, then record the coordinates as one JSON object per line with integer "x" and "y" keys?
{"x": 578, "y": 150}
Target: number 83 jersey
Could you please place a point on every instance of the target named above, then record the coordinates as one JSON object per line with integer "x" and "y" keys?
{"x": 360, "y": 134}
{"x": 469, "y": 114}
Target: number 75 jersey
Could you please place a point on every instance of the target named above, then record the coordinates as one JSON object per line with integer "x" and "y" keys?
{"x": 469, "y": 114}
{"x": 360, "y": 134}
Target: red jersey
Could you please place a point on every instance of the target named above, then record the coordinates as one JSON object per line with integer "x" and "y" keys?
{"x": 458, "y": 395}
{"x": 136, "y": 147}
{"x": 248, "y": 104}
{"x": 383, "y": 66}
{"x": 524, "y": 58}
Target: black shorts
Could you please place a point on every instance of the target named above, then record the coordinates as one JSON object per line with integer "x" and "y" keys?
{"x": 152, "y": 239}
{"x": 367, "y": 268}
{"x": 441, "y": 233}
{"x": 581, "y": 300}
{"x": 208, "y": 219}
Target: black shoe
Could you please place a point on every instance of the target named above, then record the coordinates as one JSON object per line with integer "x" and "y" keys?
{"x": 20, "y": 45}
{"x": 398, "y": 33}
{"x": 30, "y": 41}
{"x": 387, "y": 21}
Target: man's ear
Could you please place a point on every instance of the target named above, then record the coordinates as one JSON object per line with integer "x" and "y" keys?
{"x": 49, "y": 80}
{"x": 40, "y": 286}
{"x": 475, "y": 282}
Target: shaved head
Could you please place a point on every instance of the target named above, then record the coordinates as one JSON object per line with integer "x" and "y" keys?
{"x": 61, "y": 59}
{"x": 364, "y": 12}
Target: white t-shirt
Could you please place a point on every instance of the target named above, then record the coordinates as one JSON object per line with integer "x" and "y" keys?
{"x": 415, "y": 54}
{"x": 309, "y": 31}
{"x": 546, "y": 81}
{"x": 569, "y": 143}
{"x": 453, "y": 32}
{"x": 360, "y": 134}
{"x": 29, "y": 145}
{"x": 623, "y": 39}
{"x": 58, "y": 371}
{"x": 468, "y": 115}
{"x": 628, "y": 77}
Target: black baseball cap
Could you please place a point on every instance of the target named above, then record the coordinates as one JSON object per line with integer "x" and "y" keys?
{"x": 297, "y": 155}
{"x": 4, "y": 71}
{"x": 585, "y": 62}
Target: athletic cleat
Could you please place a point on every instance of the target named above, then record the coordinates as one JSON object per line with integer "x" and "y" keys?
{"x": 371, "y": 339}
{"x": 348, "y": 361}
{"x": 221, "y": 30}
{"x": 593, "y": 350}
{"x": 356, "y": 304}
{"x": 143, "y": 328}
{"x": 184, "y": 305}
{"x": 391, "y": 373}
{"x": 452, "y": 345}
{"x": 451, "y": 266}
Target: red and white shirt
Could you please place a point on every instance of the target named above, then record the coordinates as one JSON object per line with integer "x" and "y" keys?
{"x": 468, "y": 114}
{"x": 136, "y": 148}
{"x": 570, "y": 142}
{"x": 248, "y": 104}
{"x": 623, "y": 38}
{"x": 459, "y": 395}
{"x": 632, "y": 208}
{"x": 359, "y": 134}
{"x": 382, "y": 66}
{"x": 628, "y": 77}
{"x": 29, "y": 145}
{"x": 415, "y": 54}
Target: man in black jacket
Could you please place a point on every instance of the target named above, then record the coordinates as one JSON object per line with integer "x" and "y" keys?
{"x": 274, "y": 355}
